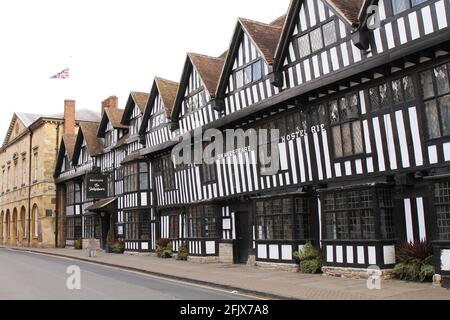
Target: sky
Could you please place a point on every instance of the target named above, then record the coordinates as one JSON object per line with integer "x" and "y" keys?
{"x": 112, "y": 47}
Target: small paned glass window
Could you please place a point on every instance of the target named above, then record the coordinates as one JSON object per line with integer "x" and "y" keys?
{"x": 304, "y": 46}
{"x": 329, "y": 33}
{"x": 316, "y": 39}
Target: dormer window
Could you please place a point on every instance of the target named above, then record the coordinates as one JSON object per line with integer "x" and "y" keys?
{"x": 66, "y": 164}
{"x": 248, "y": 74}
{"x": 135, "y": 122}
{"x": 317, "y": 39}
{"x": 84, "y": 153}
{"x": 196, "y": 100}
{"x": 109, "y": 136}
{"x": 399, "y": 6}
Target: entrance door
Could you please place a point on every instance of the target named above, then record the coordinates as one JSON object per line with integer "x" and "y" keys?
{"x": 243, "y": 237}
{"x": 105, "y": 225}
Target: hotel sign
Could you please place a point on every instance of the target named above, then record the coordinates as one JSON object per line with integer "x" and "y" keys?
{"x": 96, "y": 186}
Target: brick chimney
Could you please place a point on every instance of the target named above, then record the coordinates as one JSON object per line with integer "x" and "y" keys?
{"x": 69, "y": 117}
{"x": 111, "y": 102}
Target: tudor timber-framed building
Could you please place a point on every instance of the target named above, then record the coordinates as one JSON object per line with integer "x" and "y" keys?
{"x": 364, "y": 115}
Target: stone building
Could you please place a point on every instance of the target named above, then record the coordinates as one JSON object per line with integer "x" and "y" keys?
{"x": 27, "y": 160}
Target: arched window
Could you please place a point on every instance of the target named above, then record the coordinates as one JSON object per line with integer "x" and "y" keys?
{"x": 2, "y": 216}
{"x": 23, "y": 229}
{"x": 14, "y": 224}
{"x": 8, "y": 226}
{"x": 35, "y": 221}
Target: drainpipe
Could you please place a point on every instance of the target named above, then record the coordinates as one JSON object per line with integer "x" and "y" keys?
{"x": 56, "y": 190}
{"x": 29, "y": 187}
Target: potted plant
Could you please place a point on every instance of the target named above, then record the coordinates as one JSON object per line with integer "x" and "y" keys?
{"x": 183, "y": 252}
{"x": 309, "y": 259}
{"x": 415, "y": 262}
{"x": 118, "y": 247}
{"x": 78, "y": 244}
{"x": 164, "y": 248}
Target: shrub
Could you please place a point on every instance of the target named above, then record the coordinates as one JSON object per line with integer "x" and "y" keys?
{"x": 309, "y": 259}
{"x": 118, "y": 247}
{"x": 183, "y": 252}
{"x": 78, "y": 244}
{"x": 164, "y": 248}
{"x": 414, "y": 262}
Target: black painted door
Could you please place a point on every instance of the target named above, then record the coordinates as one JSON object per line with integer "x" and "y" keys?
{"x": 243, "y": 237}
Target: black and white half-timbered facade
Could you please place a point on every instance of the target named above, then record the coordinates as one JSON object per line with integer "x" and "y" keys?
{"x": 360, "y": 95}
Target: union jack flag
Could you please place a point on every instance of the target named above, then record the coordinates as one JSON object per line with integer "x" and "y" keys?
{"x": 61, "y": 75}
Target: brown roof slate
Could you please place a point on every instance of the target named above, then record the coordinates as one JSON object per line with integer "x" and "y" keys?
{"x": 69, "y": 143}
{"x": 167, "y": 91}
{"x": 350, "y": 10}
{"x": 140, "y": 98}
{"x": 115, "y": 117}
{"x": 279, "y": 22}
{"x": 209, "y": 69}
{"x": 264, "y": 36}
{"x": 94, "y": 144}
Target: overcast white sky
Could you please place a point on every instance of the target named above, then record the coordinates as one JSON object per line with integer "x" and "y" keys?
{"x": 116, "y": 46}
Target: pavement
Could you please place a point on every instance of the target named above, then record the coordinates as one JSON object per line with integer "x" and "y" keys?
{"x": 272, "y": 284}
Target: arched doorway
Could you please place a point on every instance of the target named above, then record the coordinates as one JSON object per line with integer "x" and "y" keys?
{"x": 22, "y": 225}
{"x": 2, "y": 217}
{"x": 35, "y": 222}
{"x": 7, "y": 226}
{"x": 14, "y": 229}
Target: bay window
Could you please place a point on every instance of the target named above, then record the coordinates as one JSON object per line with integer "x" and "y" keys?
{"x": 351, "y": 215}
{"x": 202, "y": 222}
{"x": 436, "y": 95}
{"x": 442, "y": 207}
{"x": 283, "y": 219}
{"x": 137, "y": 225}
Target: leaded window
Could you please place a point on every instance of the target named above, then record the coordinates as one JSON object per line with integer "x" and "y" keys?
{"x": 249, "y": 74}
{"x": 346, "y": 126}
{"x": 136, "y": 177}
{"x": 168, "y": 172}
{"x": 317, "y": 39}
{"x": 283, "y": 219}
{"x": 194, "y": 222}
{"x": 92, "y": 227}
{"x": 442, "y": 207}
{"x": 399, "y": 6}
{"x": 137, "y": 225}
{"x": 436, "y": 96}
{"x": 350, "y": 215}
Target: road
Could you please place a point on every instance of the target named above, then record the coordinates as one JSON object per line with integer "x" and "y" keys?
{"x": 27, "y": 276}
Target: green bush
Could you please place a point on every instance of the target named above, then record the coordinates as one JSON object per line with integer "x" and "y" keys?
{"x": 309, "y": 259}
{"x": 312, "y": 266}
{"x": 118, "y": 247}
{"x": 164, "y": 248}
{"x": 414, "y": 262}
{"x": 183, "y": 252}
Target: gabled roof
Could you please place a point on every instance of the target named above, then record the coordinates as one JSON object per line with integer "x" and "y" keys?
{"x": 69, "y": 144}
{"x": 167, "y": 90}
{"x": 350, "y": 10}
{"x": 111, "y": 115}
{"x": 88, "y": 131}
{"x": 29, "y": 119}
{"x": 265, "y": 38}
{"x": 138, "y": 99}
{"x": 209, "y": 70}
